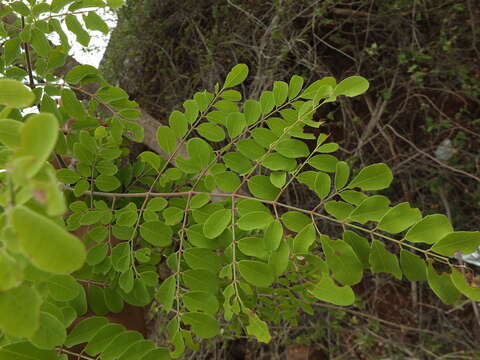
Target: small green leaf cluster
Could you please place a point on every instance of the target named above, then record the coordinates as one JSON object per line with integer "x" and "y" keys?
{"x": 201, "y": 232}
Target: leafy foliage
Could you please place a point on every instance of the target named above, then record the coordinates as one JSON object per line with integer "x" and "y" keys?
{"x": 209, "y": 211}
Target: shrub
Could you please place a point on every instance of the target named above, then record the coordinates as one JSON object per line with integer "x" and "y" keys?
{"x": 201, "y": 231}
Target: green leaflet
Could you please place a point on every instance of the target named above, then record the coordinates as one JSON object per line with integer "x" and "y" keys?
{"x": 373, "y": 177}
{"x": 20, "y": 311}
{"x": 460, "y": 282}
{"x": 166, "y": 138}
{"x": 63, "y": 287}
{"x": 261, "y": 187}
{"x": 50, "y": 333}
{"x": 430, "y": 229}
{"x": 413, "y": 267}
{"x": 11, "y": 273}
{"x": 382, "y": 260}
{"x": 399, "y": 218}
{"x": 256, "y": 273}
{"x": 360, "y": 245}
{"x": 327, "y": 290}
{"x": 14, "y": 94}
{"x": 258, "y": 328}
{"x": 254, "y": 220}
{"x": 442, "y": 286}
{"x": 342, "y": 261}
{"x": 10, "y": 131}
{"x": 25, "y": 351}
{"x": 304, "y": 239}
{"x": 46, "y": 244}
{"x": 217, "y": 223}
{"x": 203, "y": 325}
{"x": 351, "y": 86}
{"x": 37, "y": 140}
{"x": 236, "y": 76}
{"x": 371, "y": 209}
{"x": 295, "y": 86}
{"x": 464, "y": 242}
{"x": 273, "y": 236}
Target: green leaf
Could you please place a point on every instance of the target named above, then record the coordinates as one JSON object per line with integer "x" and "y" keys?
{"x": 50, "y": 333}
{"x": 121, "y": 257}
{"x": 120, "y": 344}
{"x": 278, "y": 179}
{"x": 200, "y": 300}
{"x": 383, "y": 260}
{"x": 201, "y": 280}
{"x": 75, "y": 27}
{"x": 351, "y": 86}
{"x": 85, "y": 330}
{"x": 46, "y": 244}
{"x": 203, "y": 325}
{"x": 442, "y": 286}
{"x": 261, "y": 187}
{"x": 267, "y": 101}
{"x": 280, "y": 92}
{"x": 38, "y": 138}
{"x": 63, "y": 287}
{"x": 107, "y": 183}
{"x": 413, "y": 267}
{"x": 342, "y": 173}
{"x": 198, "y": 258}
{"x": 211, "y": 132}
{"x": 25, "y": 351}
{"x": 373, "y": 177}
{"x": 166, "y": 293}
{"x": 11, "y": 50}
{"x": 40, "y": 43}
{"x": 156, "y": 233}
{"x": 79, "y": 72}
{"x": 217, "y": 223}
{"x": 237, "y": 162}
{"x": 342, "y": 261}
{"x": 256, "y": 273}
{"x": 459, "y": 281}
{"x": 115, "y": 4}
{"x": 137, "y": 350}
{"x": 252, "y": 246}
{"x": 236, "y": 76}
{"x": 67, "y": 176}
{"x": 295, "y": 221}
{"x": 253, "y": 111}
{"x": 166, "y": 138}
{"x": 254, "y": 220}
{"x": 465, "y": 242}
{"x": 10, "y": 131}
{"x": 399, "y": 218}
{"x": 353, "y": 197}
{"x": 178, "y": 123}
{"x": 96, "y": 300}
{"x": 304, "y": 239}
{"x": 292, "y": 148}
{"x": 235, "y": 124}
{"x": 295, "y": 86}
{"x": 326, "y": 290}
{"x": 20, "y": 311}
{"x": 72, "y": 105}
{"x": 103, "y": 338}
{"x": 360, "y": 245}
{"x": 11, "y": 272}
{"x": 95, "y": 22}
{"x": 430, "y": 229}
{"x": 273, "y": 236}
{"x": 339, "y": 209}
{"x": 371, "y": 209}
{"x": 324, "y": 162}
{"x": 279, "y": 259}
{"x": 258, "y": 328}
